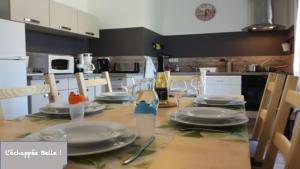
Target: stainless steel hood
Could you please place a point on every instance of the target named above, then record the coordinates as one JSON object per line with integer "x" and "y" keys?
{"x": 263, "y": 17}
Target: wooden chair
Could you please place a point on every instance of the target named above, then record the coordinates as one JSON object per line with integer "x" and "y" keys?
{"x": 9, "y": 93}
{"x": 279, "y": 143}
{"x": 265, "y": 117}
{"x": 83, "y": 84}
{"x": 53, "y": 94}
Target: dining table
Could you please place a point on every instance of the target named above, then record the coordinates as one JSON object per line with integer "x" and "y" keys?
{"x": 174, "y": 147}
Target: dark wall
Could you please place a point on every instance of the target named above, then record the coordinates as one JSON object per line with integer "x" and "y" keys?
{"x": 57, "y": 44}
{"x": 226, "y": 44}
{"x": 149, "y": 37}
{"x": 119, "y": 42}
{"x": 138, "y": 42}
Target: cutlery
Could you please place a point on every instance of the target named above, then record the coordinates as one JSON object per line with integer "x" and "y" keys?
{"x": 139, "y": 151}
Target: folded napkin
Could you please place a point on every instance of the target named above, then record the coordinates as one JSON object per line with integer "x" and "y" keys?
{"x": 150, "y": 68}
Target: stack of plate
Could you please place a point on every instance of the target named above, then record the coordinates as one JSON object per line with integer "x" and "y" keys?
{"x": 63, "y": 109}
{"x": 209, "y": 116}
{"x": 218, "y": 101}
{"x": 86, "y": 138}
{"x": 115, "y": 97}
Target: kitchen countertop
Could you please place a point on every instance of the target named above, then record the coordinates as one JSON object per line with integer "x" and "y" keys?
{"x": 39, "y": 76}
{"x": 221, "y": 73}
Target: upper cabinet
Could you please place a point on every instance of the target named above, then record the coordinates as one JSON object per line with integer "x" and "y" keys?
{"x": 50, "y": 16}
{"x": 30, "y": 11}
{"x": 88, "y": 24}
{"x": 63, "y": 17}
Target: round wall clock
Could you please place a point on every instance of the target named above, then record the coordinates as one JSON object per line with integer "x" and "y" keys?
{"x": 205, "y": 12}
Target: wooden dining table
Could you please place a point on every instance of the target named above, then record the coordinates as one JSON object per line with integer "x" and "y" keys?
{"x": 173, "y": 148}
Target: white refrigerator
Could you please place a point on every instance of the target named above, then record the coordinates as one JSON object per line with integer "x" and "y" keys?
{"x": 13, "y": 65}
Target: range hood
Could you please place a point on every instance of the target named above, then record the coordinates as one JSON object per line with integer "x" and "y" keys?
{"x": 263, "y": 17}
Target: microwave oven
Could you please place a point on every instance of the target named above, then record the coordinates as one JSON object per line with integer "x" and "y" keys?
{"x": 50, "y": 63}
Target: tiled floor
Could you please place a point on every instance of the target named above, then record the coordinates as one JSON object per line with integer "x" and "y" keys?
{"x": 279, "y": 161}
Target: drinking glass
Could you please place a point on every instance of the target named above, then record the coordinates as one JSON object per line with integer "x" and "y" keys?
{"x": 128, "y": 84}
{"x": 178, "y": 89}
{"x": 77, "y": 111}
{"x": 198, "y": 83}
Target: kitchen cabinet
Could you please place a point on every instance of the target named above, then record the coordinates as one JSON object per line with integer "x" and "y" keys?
{"x": 64, "y": 87}
{"x": 88, "y": 24}
{"x": 223, "y": 85}
{"x": 63, "y": 17}
{"x": 30, "y": 11}
{"x": 51, "y": 17}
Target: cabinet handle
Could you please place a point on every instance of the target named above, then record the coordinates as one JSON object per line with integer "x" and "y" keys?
{"x": 65, "y": 28}
{"x": 46, "y": 95}
{"x": 90, "y": 33}
{"x": 57, "y": 81}
{"x": 32, "y": 20}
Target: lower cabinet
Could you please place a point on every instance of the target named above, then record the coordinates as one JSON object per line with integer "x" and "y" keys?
{"x": 64, "y": 87}
{"x": 223, "y": 85}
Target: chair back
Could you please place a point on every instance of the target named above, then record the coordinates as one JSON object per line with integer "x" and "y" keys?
{"x": 53, "y": 94}
{"x": 9, "y": 93}
{"x": 267, "y": 112}
{"x": 279, "y": 143}
{"x": 84, "y": 84}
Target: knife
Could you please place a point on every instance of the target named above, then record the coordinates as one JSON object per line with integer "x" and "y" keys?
{"x": 140, "y": 151}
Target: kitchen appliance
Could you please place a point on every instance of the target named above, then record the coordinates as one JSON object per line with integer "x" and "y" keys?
{"x": 263, "y": 17}
{"x": 255, "y": 68}
{"x": 127, "y": 67}
{"x": 50, "y": 63}
{"x": 13, "y": 66}
{"x": 84, "y": 63}
{"x": 102, "y": 64}
{"x": 252, "y": 89}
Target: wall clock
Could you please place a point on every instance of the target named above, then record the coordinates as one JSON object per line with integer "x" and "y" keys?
{"x": 205, "y": 12}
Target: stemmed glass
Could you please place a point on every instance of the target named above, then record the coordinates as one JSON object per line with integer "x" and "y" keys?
{"x": 178, "y": 89}
{"x": 128, "y": 85}
{"x": 198, "y": 83}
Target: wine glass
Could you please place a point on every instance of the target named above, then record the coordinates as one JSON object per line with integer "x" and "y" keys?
{"x": 178, "y": 89}
{"x": 198, "y": 84}
{"x": 128, "y": 85}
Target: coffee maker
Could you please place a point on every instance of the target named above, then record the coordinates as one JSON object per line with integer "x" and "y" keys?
{"x": 83, "y": 63}
{"x": 102, "y": 64}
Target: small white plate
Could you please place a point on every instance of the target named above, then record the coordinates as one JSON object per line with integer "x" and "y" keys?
{"x": 209, "y": 113}
{"x": 91, "y": 107}
{"x": 233, "y": 122}
{"x": 220, "y": 100}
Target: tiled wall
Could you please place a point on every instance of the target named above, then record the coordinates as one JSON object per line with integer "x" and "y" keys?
{"x": 240, "y": 63}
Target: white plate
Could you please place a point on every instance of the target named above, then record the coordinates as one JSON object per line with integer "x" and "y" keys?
{"x": 91, "y": 108}
{"x": 116, "y": 99}
{"x": 120, "y": 142}
{"x": 67, "y": 105}
{"x": 217, "y": 99}
{"x": 209, "y": 113}
{"x": 116, "y": 95}
{"x": 212, "y": 103}
{"x": 81, "y": 134}
{"x": 233, "y": 122}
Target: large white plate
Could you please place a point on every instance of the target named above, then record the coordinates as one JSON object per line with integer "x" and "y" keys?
{"x": 199, "y": 122}
{"x": 120, "y": 142}
{"x": 63, "y": 109}
{"x": 82, "y": 133}
{"x": 209, "y": 113}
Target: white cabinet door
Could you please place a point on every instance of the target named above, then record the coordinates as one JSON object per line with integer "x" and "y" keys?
{"x": 30, "y": 11}
{"x": 73, "y": 83}
{"x": 223, "y": 85}
{"x": 98, "y": 89}
{"x": 63, "y": 96}
{"x": 37, "y": 101}
{"x": 91, "y": 93}
{"x": 88, "y": 24}
{"x": 63, "y": 17}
